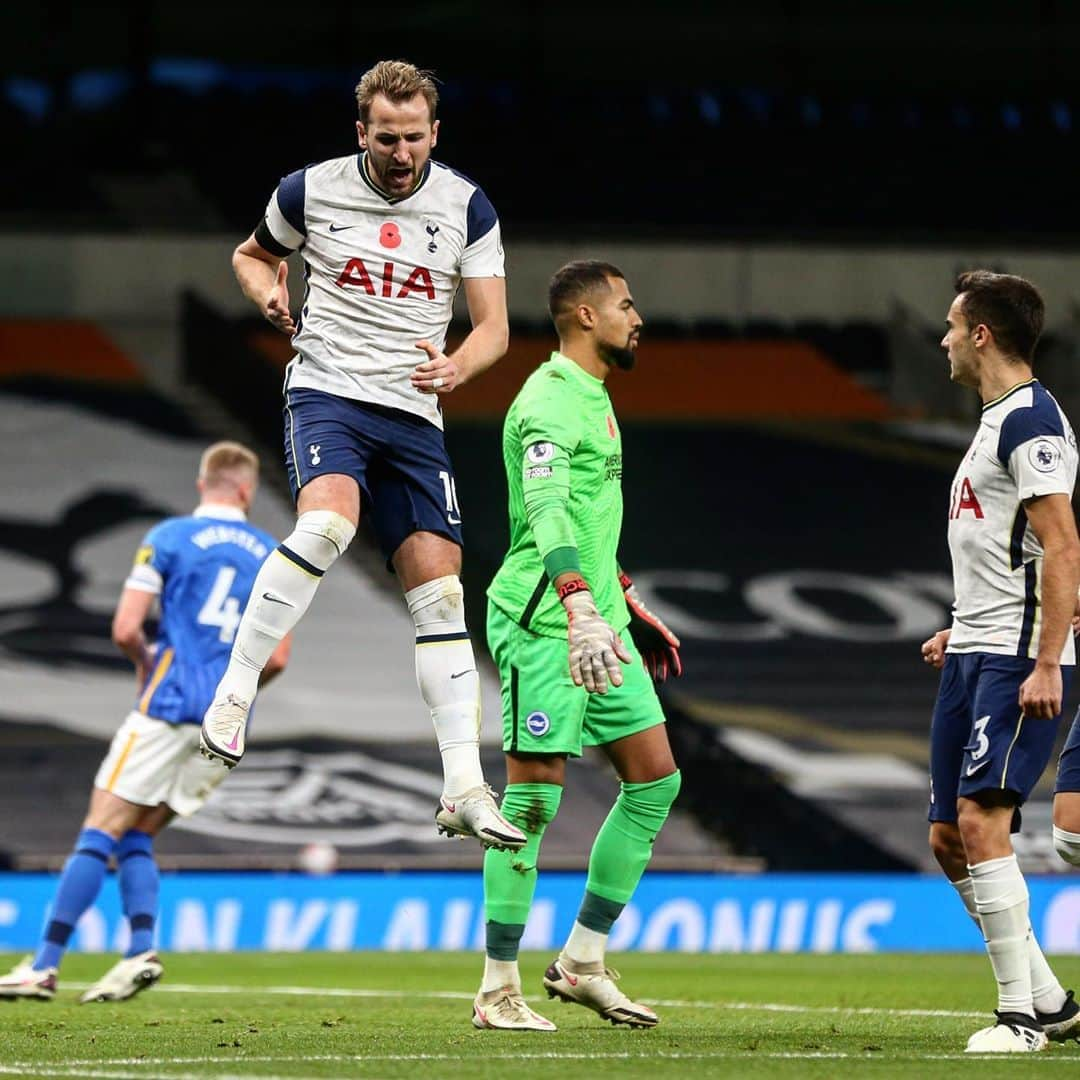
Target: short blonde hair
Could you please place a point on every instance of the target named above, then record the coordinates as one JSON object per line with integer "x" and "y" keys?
{"x": 398, "y": 81}
{"x": 228, "y": 463}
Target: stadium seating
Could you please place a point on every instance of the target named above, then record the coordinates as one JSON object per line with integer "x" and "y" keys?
{"x": 755, "y": 169}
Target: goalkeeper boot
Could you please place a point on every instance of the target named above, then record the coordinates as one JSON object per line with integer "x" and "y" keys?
{"x": 475, "y": 813}
{"x": 1014, "y": 1033}
{"x": 505, "y": 1010}
{"x": 593, "y": 986}
{"x": 222, "y": 735}
{"x": 22, "y": 981}
{"x": 1063, "y": 1024}
{"x": 125, "y": 979}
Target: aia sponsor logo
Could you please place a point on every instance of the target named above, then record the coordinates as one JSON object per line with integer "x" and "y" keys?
{"x": 964, "y": 498}
{"x": 390, "y": 283}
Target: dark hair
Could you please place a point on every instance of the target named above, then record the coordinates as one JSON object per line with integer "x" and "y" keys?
{"x": 1010, "y": 307}
{"x": 575, "y": 280}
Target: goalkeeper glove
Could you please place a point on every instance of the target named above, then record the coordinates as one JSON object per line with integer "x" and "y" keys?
{"x": 595, "y": 649}
{"x": 658, "y": 646}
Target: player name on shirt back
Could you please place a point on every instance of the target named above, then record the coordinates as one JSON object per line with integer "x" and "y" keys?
{"x": 229, "y": 534}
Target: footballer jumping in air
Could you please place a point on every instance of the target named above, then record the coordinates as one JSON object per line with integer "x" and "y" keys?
{"x": 387, "y": 236}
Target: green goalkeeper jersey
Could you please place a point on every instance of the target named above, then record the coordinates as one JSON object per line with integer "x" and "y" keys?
{"x": 563, "y": 455}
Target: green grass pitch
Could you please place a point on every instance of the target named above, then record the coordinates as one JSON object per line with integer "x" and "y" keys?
{"x": 407, "y": 1014}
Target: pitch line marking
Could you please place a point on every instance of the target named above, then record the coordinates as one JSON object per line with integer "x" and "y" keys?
{"x": 459, "y": 995}
{"x": 98, "y": 1068}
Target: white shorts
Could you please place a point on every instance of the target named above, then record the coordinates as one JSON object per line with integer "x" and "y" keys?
{"x": 152, "y": 762}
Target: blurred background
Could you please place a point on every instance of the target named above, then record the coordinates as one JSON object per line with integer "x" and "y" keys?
{"x": 790, "y": 188}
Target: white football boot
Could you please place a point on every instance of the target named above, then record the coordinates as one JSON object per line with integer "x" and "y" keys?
{"x": 1063, "y": 1024}
{"x": 125, "y": 979}
{"x": 475, "y": 813}
{"x": 1014, "y": 1033}
{"x": 222, "y": 735}
{"x": 593, "y": 986}
{"x": 505, "y": 1010}
{"x": 22, "y": 981}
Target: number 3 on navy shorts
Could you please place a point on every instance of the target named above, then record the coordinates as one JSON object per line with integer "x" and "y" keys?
{"x": 977, "y": 750}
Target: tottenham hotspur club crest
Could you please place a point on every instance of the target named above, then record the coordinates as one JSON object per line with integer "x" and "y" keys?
{"x": 431, "y": 229}
{"x": 313, "y": 450}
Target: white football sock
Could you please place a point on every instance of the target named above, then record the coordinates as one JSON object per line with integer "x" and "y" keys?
{"x": 1067, "y": 845}
{"x": 283, "y": 589}
{"x": 1047, "y": 993}
{"x": 966, "y": 889}
{"x": 448, "y": 680}
{"x": 585, "y": 945}
{"x": 1001, "y": 896}
{"x": 500, "y": 973}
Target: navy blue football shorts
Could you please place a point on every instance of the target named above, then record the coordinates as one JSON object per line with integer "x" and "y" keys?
{"x": 979, "y": 740}
{"x": 1068, "y": 774}
{"x": 398, "y": 459}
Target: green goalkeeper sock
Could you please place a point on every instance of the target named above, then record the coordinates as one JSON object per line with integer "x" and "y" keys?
{"x": 510, "y": 876}
{"x": 623, "y": 846}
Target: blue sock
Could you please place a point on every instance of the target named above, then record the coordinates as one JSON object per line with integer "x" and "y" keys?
{"x": 79, "y": 885}
{"x": 138, "y": 888}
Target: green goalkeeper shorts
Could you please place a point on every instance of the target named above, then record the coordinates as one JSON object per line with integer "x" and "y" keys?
{"x": 544, "y": 712}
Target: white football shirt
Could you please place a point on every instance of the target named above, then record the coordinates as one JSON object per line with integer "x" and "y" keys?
{"x": 1024, "y": 447}
{"x": 380, "y": 274}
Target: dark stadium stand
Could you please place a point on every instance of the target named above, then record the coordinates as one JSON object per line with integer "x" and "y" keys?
{"x": 755, "y": 169}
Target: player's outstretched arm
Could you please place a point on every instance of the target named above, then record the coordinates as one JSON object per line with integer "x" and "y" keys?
{"x": 658, "y": 646}
{"x": 484, "y": 344}
{"x": 262, "y": 277}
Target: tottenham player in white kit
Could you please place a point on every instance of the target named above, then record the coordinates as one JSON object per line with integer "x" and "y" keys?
{"x": 387, "y": 236}
{"x": 1007, "y": 661}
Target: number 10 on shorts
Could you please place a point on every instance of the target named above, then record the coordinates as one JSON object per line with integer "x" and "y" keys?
{"x": 453, "y": 512}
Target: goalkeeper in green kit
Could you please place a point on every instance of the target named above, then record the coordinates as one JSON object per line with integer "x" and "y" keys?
{"x": 560, "y": 617}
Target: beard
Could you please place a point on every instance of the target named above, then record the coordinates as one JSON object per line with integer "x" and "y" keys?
{"x": 622, "y": 358}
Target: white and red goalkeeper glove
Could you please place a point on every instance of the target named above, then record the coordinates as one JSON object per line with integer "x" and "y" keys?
{"x": 658, "y": 646}
{"x": 595, "y": 649}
